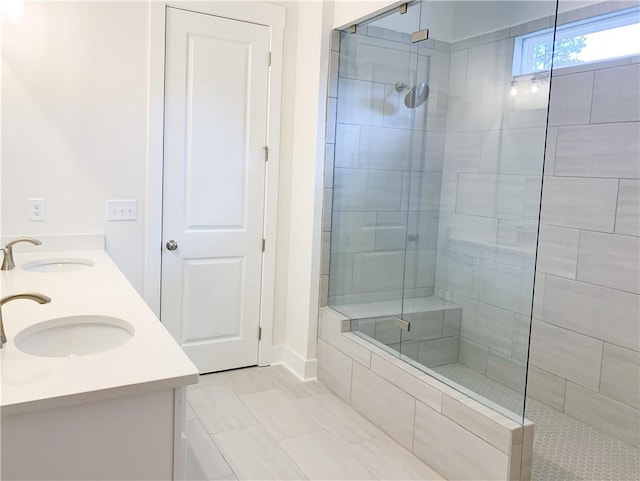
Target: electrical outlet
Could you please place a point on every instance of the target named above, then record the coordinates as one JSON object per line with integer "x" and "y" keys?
{"x": 37, "y": 209}
{"x": 122, "y": 210}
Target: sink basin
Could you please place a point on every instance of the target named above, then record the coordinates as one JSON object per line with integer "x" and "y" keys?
{"x": 57, "y": 265}
{"x": 74, "y": 336}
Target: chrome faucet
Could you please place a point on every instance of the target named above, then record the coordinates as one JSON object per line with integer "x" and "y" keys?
{"x": 39, "y": 298}
{"x": 7, "y": 262}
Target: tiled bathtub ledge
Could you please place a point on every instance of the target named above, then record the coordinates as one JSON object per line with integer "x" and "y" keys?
{"x": 454, "y": 434}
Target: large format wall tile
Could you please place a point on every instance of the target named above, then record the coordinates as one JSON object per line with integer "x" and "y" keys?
{"x": 378, "y": 271}
{"x": 420, "y": 268}
{"x": 341, "y": 279}
{"x": 490, "y": 64}
{"x": 438, "y": 352}
{"x": 334, "y": 370}
{"x": 581, "y": 203}
{"x": 425, "y": 224}
{"x": 413, "y": 381}
{"x": 473, "y": 355}
{"x": 546, "y": 387}
{"x": 558, "y": 251}
{"x": 571, "y": 99}
{"x": 610, "y": 260}
{"x": 621, "y": 375}
{"x": 390, "y": 231}
{"x": 370, "y": 59}
{"x": 366, "y": 190}
{"x": 424, "y": 194}
{"x": 353, "y": 232}
{"x": 389, "y": 149}
{"x": 453, "y": 451}
{"x": 462, "y": 151}
{"x": 567, "y": 354}
{"x": 513, "y": 151}
{"x": 476, "y": 109}
{"x": 504, "y": 286}
{"x": 507, "y": 371}
{"x": 384, "y": 404}
{"x": 616, "y": 96}
{"x": 605, "y": 150}
{"x": 582, "y": 308}
{"x": 360, "y": 102}
{"x": 480, "y": 420}
{"x": 455, "y": 273}
{"x": 610, "y": 416}
{"x": 628, "y": 213}
{"x": 494, "y": 327}
{"x": 347, "y": 149}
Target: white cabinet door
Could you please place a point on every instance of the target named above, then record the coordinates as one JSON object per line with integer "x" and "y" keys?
{"x": 216, "y": 90}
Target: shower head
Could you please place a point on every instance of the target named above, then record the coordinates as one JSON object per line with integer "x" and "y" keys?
{"x": 416, "y": 96}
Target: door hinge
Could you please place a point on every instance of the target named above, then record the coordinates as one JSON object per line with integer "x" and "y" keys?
{"x": 269, "y": 61}
{"x": 420, "y": 35}
{"x": 264, "y": 243}
{"x": 266, "y": 153}
{"x": 260, "y": 333}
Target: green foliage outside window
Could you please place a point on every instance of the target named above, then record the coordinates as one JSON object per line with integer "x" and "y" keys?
{"x": 566, "y": 53}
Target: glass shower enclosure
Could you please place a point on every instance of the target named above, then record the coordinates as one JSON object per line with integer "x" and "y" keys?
{"x": 436, "y": 192}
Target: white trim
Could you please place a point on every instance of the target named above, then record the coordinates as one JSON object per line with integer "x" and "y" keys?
{"x": 304, "y": 369}
{"x": 272, "y": 16}
{"x": 153, "y": 199}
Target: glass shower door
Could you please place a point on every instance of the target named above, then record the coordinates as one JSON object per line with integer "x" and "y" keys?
{"x": 374, "y": 145}
{"x": 474, "y": 200}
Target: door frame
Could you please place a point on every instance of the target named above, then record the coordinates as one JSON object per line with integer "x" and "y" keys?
{"x": 272, "y": 16}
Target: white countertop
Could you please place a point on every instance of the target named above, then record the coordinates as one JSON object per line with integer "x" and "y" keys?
{"x": 151, "y": 360}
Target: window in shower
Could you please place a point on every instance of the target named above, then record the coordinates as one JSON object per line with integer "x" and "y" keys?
{"x": 595, "y": 39}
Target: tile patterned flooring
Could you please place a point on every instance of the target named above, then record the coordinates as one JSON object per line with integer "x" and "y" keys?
{"x": 564, "y": 448}
{"x": 263, "y": 423}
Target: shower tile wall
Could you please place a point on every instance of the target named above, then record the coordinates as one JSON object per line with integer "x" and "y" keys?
{"x": 491, "y": 179}
{"x": 585, "y": 333}
{"x": 585, "y": 340}
{"x": 384, "y": 186}
{"x": 328, "y": 167}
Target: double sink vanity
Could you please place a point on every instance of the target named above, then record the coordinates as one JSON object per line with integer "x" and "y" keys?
{"x": 92, "y": 383}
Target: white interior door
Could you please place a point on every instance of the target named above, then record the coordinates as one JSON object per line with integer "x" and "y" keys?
{"x": 216, "y": 89}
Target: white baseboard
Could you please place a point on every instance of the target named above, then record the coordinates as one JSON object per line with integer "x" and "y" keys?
{"x": 303, "y": 369}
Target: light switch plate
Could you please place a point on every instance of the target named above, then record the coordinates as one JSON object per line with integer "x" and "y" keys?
{"x": 122, "y": 210}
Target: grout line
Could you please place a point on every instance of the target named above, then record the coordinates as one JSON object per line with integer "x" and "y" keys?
{"x": 576, "y": 278}
{"x": 601, "y": 364}
{"x": 590, "y": 284}
{"x": 615, "y": 213}
{"x": 593, "y": 88}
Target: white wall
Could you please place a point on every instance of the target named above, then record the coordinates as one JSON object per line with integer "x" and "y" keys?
{"x": 74, "y": 111}
{"x": 74, "y": 104}
{"x": 312, "y": 67}
{"x": 286, "y": 162}
{"x": 74, "y": 108}
{"x": 346, "y": 12}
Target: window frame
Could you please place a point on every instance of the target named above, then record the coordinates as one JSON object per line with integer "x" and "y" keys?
{"x": 525, "y": 45}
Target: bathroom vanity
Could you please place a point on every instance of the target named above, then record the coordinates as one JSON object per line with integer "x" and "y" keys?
{"x": 92, "y": 383}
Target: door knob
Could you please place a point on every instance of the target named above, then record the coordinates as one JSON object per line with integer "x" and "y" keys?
{"x": 172, "y": 245}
